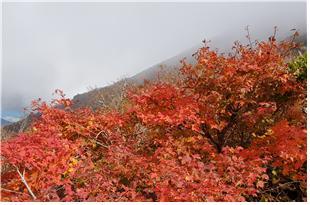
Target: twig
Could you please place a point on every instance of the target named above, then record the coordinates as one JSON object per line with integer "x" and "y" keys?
{"x": 248, "y": 36}
{"x": 275, "y": 29}
{"x": 99, "y": 134}
{"x": 8, "y": 190}
{"x": 99, "y": 143}
{"x": 22, "y": 176}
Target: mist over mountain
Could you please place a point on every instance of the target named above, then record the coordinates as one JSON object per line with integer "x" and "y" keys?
{"x": 5, "y": 122}
{"x": 72, "y": 46}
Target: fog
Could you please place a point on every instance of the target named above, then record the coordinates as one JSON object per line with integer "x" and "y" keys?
{"x": 73, "y": 46}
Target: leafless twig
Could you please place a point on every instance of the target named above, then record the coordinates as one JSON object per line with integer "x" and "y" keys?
{"x": 248, "y": 36}
{"x": 8, "y": 190}
{"x": 99, "y": 143}
{"x": 22, "y": 176}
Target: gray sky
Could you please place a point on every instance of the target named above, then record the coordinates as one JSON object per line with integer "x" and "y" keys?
{"x": 72, "y": 46}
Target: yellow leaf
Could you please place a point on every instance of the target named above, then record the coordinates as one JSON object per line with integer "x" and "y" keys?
{"x": 74, "y": 161}
{"x": 190, "y": 139}
{"x": 269, "y": 132}
{"x": 274, "y": 172}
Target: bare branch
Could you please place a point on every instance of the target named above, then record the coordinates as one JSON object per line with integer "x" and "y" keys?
{"x": 12, "y": 191}
{"x": 22, "y": 176}
{"x": 248, "y": 36}
{"x": 99, "y": 143}
{"x": 99, "y": 134}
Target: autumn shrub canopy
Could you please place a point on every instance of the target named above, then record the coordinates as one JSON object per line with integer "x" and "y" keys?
{"x": 232, "y": 128}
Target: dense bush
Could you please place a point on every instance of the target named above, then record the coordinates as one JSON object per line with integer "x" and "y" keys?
{"x": 231, "y": 129}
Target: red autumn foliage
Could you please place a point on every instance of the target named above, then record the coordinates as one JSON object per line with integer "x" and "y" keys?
{"x": 212, "y": 136}
{"x": 165, "y": 104}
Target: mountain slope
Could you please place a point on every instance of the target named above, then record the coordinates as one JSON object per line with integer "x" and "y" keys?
{"x": 5, "y": 122}
{"x": 110, "y": 96}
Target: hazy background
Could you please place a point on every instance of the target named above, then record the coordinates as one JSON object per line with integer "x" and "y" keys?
{"x": 72, "y": 46}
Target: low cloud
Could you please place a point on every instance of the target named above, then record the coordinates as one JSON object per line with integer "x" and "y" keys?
{"x": 75, "y": 45}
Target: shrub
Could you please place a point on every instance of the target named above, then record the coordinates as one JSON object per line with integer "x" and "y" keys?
{"x": 220, "y": 133}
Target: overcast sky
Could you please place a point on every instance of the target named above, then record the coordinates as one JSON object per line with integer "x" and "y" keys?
{"x": 72, "y": 46}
